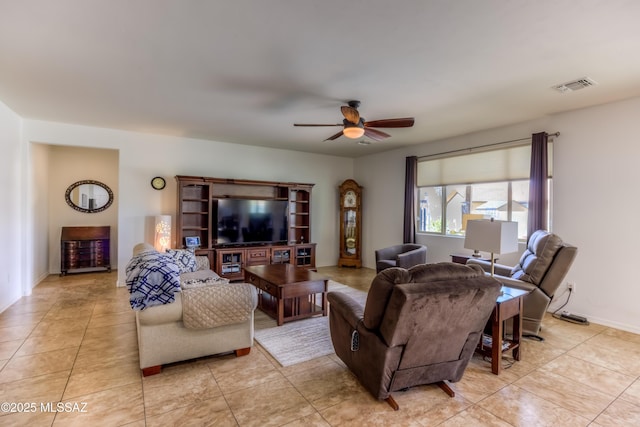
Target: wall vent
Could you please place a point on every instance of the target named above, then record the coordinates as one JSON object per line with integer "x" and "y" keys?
{"x": 575, "y": 85}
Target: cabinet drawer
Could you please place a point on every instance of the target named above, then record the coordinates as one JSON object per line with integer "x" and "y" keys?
{"x": 250, "y": 278}
{"x": 258, "y": 256}
{"x": 268, "y": 287}
{"x": 261, "y": 284}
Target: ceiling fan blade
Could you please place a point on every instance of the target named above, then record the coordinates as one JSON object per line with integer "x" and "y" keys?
{"x": 405, "y": 122}
{"x": 332, "y": 137}
{"x": 350, "y": 113}
{"x": 376, "y": 135}
{"x": 313, "y": 124}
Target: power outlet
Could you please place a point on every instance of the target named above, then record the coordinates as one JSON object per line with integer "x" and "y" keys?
{"x": 571, "y": 286}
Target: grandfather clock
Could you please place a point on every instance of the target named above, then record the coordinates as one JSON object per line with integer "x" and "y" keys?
{"x": 350, "y": 224}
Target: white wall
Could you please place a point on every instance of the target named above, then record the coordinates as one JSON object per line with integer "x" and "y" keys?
{"x": 40, "y": 189}
{"x": 12, "y": 239}
{"x": 143, "y": 156}
{"x": 594, "y": 176}
{"x": 596, "y": 208}
{"x": 72, "y": 164}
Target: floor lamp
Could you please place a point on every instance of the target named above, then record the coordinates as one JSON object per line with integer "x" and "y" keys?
{"x": 497, "y": 237}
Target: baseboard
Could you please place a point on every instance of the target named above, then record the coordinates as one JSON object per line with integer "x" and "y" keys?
{"x": 616, "y": 325}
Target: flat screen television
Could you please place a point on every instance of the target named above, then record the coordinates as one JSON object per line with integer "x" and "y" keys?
{"x": 244, "y": 221}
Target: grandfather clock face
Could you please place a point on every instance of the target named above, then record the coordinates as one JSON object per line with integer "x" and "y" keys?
{"x": 350, "y": 199}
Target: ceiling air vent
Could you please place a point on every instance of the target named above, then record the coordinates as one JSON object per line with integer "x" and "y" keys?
{"x": 575, "y": 85}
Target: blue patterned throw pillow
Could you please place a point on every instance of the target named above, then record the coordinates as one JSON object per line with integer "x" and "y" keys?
{"x": 185, "y": 258}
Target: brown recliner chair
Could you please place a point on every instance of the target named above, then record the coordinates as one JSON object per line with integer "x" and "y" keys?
{"x": 406, "y": 256}
{"x": 541, "y": 269}
{"x": 418, "y": 326}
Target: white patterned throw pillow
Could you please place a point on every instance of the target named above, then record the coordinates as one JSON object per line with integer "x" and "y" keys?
{"x": 185, "y": 258}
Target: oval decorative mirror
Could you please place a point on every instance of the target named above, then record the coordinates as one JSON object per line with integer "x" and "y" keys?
{"x": 89, "y": 196}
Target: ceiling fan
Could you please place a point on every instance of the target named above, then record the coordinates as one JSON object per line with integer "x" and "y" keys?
{"x": 354, "y": 126}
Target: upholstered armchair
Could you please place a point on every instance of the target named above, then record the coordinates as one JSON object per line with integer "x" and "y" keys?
{"x": 418, "y": 326}
{"x": 541, "y": 269}
{"x": 405, "y": 256}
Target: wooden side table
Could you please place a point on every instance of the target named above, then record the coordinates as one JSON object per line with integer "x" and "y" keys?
{"x": 508, "y": 305}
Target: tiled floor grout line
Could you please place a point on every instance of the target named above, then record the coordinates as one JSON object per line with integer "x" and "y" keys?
{"x": 614, "y": 398}
{"x": 562, "y": 341}
{"x": 34, "y": 327}
{"x": 84, "y": 333}
{"x": 24, "y": 340}
{"x": 29, "y": 335}
{"x": 224, "y": 397}
{"x": 546, "y": 398}
{"x": 302, "y": 394}
{"x": 619, "y": 396}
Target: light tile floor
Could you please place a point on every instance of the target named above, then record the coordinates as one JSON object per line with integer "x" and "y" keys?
{"x": 74, "y": 341}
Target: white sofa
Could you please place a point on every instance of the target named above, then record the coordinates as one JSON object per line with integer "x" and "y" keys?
{"x": 163, "y": 337}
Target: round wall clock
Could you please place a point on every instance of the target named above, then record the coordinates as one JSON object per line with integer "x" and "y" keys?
{"x": 158, "y": 183}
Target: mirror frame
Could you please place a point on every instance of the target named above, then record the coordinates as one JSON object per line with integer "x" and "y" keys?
{"x": 67, "y": 196}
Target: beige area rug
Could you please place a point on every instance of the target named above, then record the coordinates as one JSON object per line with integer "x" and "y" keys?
{"x": 300, "y": 340}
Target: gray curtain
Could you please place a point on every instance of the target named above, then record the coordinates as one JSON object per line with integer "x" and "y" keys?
{"x": 538, "y": 184}
{"x": 410, "y": 196}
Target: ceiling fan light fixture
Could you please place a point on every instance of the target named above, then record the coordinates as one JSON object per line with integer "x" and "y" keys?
{"x": 353, "y": 132}
{"x": 355, "y": 127}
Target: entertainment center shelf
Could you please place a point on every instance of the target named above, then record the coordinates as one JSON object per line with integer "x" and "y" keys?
{"x": 278, "y": 230}
{"x": 299, "y": 208}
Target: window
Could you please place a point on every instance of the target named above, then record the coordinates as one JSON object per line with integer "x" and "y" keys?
{"x": 489, "y": 184}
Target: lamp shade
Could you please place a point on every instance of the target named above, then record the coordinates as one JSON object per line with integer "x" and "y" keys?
{"x": 353, "y": 132}
{"x": 162, "y": 238}
{"x": 497, "y": 237}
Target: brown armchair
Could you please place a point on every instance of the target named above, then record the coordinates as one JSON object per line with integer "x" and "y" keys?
{"x": 541, "y": 269}
{"x": 406, "y": 256}
{"x": 418, "y": 326}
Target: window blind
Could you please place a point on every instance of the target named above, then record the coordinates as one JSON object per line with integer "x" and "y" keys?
{"x": 503, "y": 164}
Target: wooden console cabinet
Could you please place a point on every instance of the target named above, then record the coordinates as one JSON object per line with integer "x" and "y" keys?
{"x": 230, "y": 262}
{"x": 195, "y": 218}
{"x": 282, "y": 254}
{"x": 305, "y": 256}
{"x": 84, "y": 249}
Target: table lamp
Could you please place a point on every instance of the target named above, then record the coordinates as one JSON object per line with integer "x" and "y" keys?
{"x": 162, "y": 239}
{"x": 497, "y": 237}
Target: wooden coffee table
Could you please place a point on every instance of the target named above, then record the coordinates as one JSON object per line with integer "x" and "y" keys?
{"x": 287, "y": 292}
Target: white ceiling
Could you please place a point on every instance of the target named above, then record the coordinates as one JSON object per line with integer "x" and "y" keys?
{"x": 244, "y": 71}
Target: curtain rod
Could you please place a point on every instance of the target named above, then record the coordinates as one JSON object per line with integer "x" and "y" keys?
{"x": 495, "y": 144}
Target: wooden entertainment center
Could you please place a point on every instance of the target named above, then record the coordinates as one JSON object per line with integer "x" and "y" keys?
{"x": 196, "y": 217}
